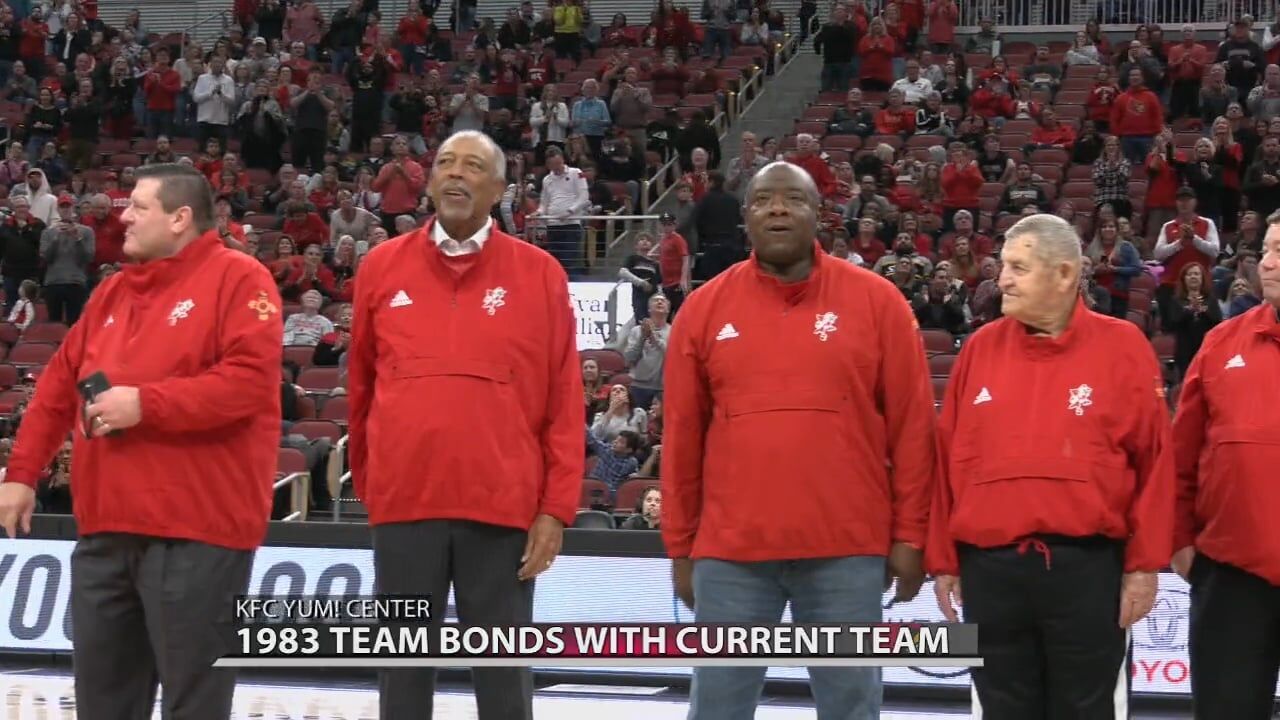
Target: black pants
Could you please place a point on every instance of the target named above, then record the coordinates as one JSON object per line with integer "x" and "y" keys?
{"x": 1184, "y": 99}
{"x": 568, "y": 45}
{"x": 148, "y": 610}
{"x": 718, "y": 255}
{"x": 1050, "y": 635}
{"x": 204, "y": 131}
{"x": 64, "y": 302}
{"x": 1235, "y": 642}
{"x": 308, "y": 150}
{"x": 480, "y": 561}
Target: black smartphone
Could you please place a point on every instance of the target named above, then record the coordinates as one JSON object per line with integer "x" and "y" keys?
{"x": 90, "y": 388}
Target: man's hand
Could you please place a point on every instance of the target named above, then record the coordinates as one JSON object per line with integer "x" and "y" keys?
{"x": 1182, "y": 560}
{"x": 540, "y": 550}
{"x": 947, "y": 589}
{"x": 907, "y": 565}
{"x": 1137, "y": 596}
{"x": 17, "y": 503}
{"x": 119, "y": 408}
{"x": 682, "y": 580}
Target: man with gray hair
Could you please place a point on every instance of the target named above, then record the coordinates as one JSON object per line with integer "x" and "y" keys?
{"x": 1054, "y": 510}
{"x": 466, "y": 418}
{"x": 787, "y": 365}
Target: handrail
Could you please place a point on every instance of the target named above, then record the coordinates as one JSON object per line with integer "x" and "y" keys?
{"x": 224, "y": 15}
{"x": 337, "y": 461}
{"x": 300, "y": 493}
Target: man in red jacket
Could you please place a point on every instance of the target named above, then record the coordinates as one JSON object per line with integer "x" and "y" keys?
{"x": 108, "y": 232}
{"x": 961, "y": 181}
{"x": 1136, "y": 118}
{"x": 173, "y": 465}
{"x": 799, "y": 370}
{"x": 161, "y": 87}
{"x": 1055, "y": 507}
{"x": 806, "y": 156}
{"x": 1225, "y": 528}
{"x": 466, "y": 417}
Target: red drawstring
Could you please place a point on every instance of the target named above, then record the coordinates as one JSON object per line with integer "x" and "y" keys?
{"x": 1037, "y": 545}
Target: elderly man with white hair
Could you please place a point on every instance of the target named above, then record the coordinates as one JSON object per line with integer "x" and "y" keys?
{"x": 1187, "y": 61}
{"x": 308, "y": 326}
{"x": 806, "y": 156}
{"x": 1054, "y": 511}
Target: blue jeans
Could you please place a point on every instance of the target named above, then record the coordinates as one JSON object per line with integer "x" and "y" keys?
{"x": 1136, "y": 147}
{"x": 716, "y": 38}
{"x": 828, "y": 590}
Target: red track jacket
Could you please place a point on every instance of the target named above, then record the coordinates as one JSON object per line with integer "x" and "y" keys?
{"x": 1227, "y": 449}
{"x": 464, "y": 385}
{"x": 1054, "y": 437}
{"x": 200, "y": 335}
{"x": 798, "y": 419}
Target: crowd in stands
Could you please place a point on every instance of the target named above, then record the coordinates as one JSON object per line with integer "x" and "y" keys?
{"x": 318, "y": 132}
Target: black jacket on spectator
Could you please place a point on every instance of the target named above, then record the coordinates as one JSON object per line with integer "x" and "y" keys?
{"x": 325, "y": 355}
{"x": 270, "y": 22}
{"x": 718, "y": 217}
{"x": 1087, "y": 149}
{"x": 20, "y": 249}
{"x": 511, "y": 35}
{"x": 836, "y": 43}
{"x": 699, "y": 135}
{"x": 1206, "y": 180}
{"x": 68, "y": 46}
{"x": 347, "y": 29}
{"x": 859, "y": 122}
{"x": 51, "y": 116}
{"x": 409, "y": 109}
{"x": 84, "y": 120}
{"x": 1234, "y": 53}
{"x": 1265, "y": 199}
{"x": 621, "y": 169}
{"x": 9, "y": 42}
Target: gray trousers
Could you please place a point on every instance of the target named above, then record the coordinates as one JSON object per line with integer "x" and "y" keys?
{"x": 148, "y": 611}
{"x": 480, "y": 560}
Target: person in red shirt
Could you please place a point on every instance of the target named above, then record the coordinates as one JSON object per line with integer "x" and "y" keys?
{"x": 108, "y": 232}
{"x": 1054, "y": 512}
{"x": 944, "y": 15}
{"x": 784, "y": 366}
{"x": 895, "y": 118}
{"x": 876, "y": 51}
{"x": 961, "y": 182}
{"x": 305, "y": 227}
{"x": 1051, "y": 133}
{"x": 187, "y": 344}
{"x": 992, "y": 101}
{"x": 312, "y": 274}
{"x": 1136, "y": 118}
{"x": 401, "y": 183}
{"x": 1187, "y": 61}
{"x": 807, "y": 157}
{"x": 411, "y": 32}
{"x": 675, "y": 263}
{"x": 1227, "y": 540}
{"x": 161, "y": 87}
{"x": 466, "y": 434}
{"x": 34, "y": 33}
{"x": 1101, "y": 98}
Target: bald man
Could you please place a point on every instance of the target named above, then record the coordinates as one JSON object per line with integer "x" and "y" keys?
{"x": 785, "y": 366}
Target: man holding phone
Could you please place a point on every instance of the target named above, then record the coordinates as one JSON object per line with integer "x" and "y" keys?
{"x": 173, "y": 374}
{"x": 66, "y": 247}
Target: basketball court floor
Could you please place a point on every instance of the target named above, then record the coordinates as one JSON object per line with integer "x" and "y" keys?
{"x": 47, "y": 693}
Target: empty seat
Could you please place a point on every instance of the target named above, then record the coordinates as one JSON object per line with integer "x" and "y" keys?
{"x": 938, "y": 341}
{"x": 336, "y": 409}
{"x": 300, "y": 354}
{"x": 594, "y": 520}
{"x": 940, "y": 365}
{"x": 595, "y": 493}
{"x": 32, "y": 353}
{"x": 316, "y": 429}
{"x": 319, "y": 379}
{"x": 45, "y": 332}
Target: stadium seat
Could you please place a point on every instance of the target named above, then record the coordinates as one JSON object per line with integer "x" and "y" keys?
{"x": 620, "y": 379}
{"x": 630, "y": 492}
{"x": 594, "y": 520}
{"x": 300, "y": 354}
{"x": 45, "y": 332}
{"x": 319, "y": 379}
{"x": 938, "y": 341}
{"x": 939, "y": 389}
{"x": 940, "y": 365}
{"x": 8, "y": 376}
{"x": 610, "y": 361}
{"x": 290, "y": 460}
{"x": 9, "y": 333}
{"x": 1163, "y": 344}
{"x": 32, "y": 353}
{"x": 335, "y": 409}
{"x": 594, "y": 493}
{"x": 306, "y": 407}
{"x": 316, "y": 429}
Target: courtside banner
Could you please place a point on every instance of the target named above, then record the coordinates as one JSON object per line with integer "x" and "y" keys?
{"x": 335, "y": 637}
{"x": 35, "y": 577}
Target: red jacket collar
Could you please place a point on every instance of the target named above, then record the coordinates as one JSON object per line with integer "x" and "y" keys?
{"x": 155, "y": 274}
{"x": 793, "y": 291}
{"x": 1043, "y": 345}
